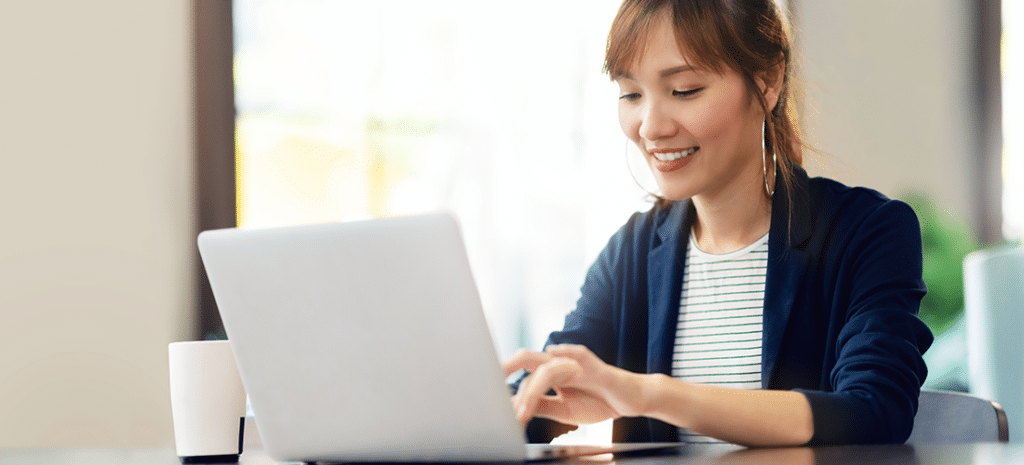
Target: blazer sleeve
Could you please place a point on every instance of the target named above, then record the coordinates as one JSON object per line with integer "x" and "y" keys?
{"x": 879, "y": 368}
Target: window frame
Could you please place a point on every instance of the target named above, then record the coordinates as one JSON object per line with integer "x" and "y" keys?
{"x": 214, "y": 125}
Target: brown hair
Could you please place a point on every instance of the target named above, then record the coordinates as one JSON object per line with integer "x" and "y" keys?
{"x": 746, "y": 36}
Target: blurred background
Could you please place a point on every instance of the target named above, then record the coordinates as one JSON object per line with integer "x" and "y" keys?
{"x": 127, "y": 127}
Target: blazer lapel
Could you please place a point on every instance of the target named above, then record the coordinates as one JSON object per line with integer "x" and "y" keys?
{"x": 665, "y": 264}
{"x": 787, "y": 265}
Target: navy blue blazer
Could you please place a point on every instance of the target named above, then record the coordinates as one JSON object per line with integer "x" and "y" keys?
{"x": 842, "y": 292}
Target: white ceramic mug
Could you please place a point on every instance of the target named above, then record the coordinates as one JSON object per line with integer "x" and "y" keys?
{"x": 207, "y": 401}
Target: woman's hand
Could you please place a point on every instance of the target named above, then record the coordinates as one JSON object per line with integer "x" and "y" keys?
{"x": 587, "y": 390}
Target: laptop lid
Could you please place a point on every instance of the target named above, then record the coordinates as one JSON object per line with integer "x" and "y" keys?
{"x": 362, "y": 341}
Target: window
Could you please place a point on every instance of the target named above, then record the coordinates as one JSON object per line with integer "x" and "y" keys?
{"x": 496, "y": 111}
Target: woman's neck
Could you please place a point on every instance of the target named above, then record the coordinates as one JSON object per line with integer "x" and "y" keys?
{"x": 726, "y": 223}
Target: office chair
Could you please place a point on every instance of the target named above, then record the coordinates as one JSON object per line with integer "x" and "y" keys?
{"x": 953, "y": 417}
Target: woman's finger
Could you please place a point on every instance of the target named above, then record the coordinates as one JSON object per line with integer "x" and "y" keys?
{"x": 524, "y": 359}
{"x": 574, "y": 351}
{"x": 553, "y": 408}
{"x": 553, "y": 374}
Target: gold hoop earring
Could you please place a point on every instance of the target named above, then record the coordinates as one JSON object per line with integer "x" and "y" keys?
{"x": 764, "y": 162}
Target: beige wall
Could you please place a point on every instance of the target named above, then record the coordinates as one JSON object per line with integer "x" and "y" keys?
{"x": 888, "y": 87}
{"x": 95, "y": 235}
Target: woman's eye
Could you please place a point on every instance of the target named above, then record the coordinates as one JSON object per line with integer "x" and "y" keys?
{"x": 630, "y": 97}
{"x": 686, "y": 93}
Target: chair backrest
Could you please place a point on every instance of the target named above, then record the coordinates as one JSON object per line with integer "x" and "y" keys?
{"x": 953, "y": 417}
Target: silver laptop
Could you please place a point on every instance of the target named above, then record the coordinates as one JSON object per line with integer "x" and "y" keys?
{"x": 366, "y": 341}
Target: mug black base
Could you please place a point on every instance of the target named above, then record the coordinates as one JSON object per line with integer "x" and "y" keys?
{"x": 209, "y": 459}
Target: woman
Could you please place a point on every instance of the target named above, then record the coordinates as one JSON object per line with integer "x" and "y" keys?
{"x": 822, "y": 324}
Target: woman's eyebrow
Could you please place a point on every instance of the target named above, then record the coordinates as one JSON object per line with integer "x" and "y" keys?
{"x": 663, "y": 73}
{"x": 676, "y": 70}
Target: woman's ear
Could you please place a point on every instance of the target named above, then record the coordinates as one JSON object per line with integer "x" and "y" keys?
{"x": 770, "y": 85}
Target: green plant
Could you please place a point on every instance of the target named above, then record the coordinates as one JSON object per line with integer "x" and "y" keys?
{"x": 945, "y": 242}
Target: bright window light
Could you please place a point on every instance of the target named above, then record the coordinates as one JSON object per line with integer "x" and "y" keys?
{"x": 497, "y": 111}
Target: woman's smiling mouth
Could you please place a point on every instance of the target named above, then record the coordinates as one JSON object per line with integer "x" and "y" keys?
{"x": 666, "y": 161}
{"x": 673, "y": 156}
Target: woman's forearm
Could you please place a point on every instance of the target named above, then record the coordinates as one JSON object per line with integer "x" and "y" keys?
{"x": 742, "y": 416}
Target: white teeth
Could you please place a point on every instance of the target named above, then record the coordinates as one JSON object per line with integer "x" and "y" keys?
{"x": 672, "y": 156}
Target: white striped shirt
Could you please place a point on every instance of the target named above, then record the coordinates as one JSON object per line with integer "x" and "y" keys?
{"x": 718, "y": 335}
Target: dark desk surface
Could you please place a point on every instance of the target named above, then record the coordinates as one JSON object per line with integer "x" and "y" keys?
{"x": 978, "y": 454}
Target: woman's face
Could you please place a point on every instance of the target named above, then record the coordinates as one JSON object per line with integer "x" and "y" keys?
{"x": 699, "y": 131}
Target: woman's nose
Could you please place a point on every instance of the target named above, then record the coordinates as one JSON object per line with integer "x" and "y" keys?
{"x": 656, "y": 123}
